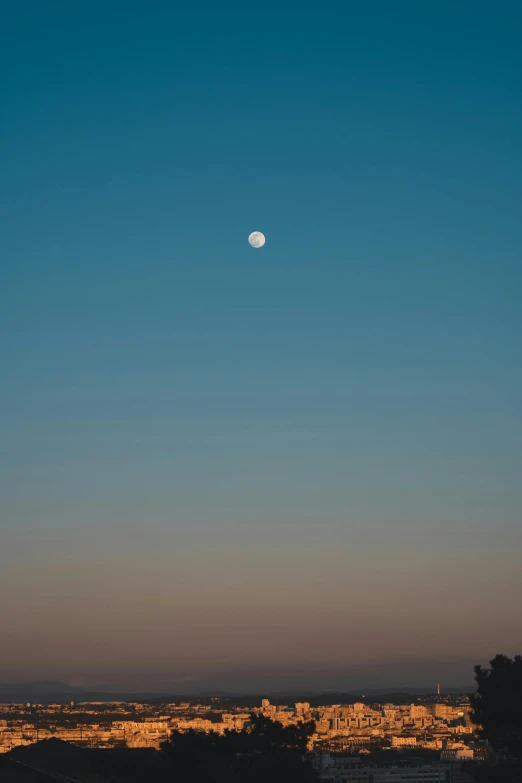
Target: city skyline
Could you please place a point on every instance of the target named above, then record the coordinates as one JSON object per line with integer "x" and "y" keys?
{"x": 295, "y": 463}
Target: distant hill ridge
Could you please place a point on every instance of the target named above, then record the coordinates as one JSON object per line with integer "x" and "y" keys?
{"x": 38, "y": 687}
{"x": 57, "y": 691}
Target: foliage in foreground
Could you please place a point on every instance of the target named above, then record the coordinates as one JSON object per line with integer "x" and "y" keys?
{"x": 265, "y": 751}
{"x": 497, "y": 705}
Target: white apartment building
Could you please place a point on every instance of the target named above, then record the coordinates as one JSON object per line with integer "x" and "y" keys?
{"x": 422, "y": 774}
{"x": 349, "y": 769}
{"x": 403, "y": 742}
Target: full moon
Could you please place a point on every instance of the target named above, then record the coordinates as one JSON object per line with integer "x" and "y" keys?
{"x": 256, "y": 239}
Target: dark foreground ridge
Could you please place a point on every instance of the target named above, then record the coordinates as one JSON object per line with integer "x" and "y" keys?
{"x": 56, "y": 760}
{"x": 268, "y": 751}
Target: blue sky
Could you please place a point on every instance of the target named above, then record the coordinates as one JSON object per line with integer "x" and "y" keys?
{"x": 343, "y": 402}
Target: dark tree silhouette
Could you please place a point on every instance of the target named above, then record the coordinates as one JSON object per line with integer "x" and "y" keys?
{"x": 266, "y": 750}
{"x": 497, "y": 705}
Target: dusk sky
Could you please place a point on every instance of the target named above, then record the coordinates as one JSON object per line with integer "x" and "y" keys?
{"x": 241, "y": 466}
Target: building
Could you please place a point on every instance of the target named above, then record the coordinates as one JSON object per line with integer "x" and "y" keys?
{"x": 454, "y": 755}
{"x": 349, "y": 769}
{"x": 403, "y": 742}
{"x": 418, "y": 711}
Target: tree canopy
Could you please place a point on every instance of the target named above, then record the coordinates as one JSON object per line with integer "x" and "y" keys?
{"x": 497, "y": 705}
{"x": 264, "y": 750}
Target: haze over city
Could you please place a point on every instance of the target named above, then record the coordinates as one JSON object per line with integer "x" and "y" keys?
{"x": 259, "y": 468}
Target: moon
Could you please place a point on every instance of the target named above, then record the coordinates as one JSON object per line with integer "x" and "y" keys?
{"x": 256, "y": 239}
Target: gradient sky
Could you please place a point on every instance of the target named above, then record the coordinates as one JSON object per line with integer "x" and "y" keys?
{"x": 220, "y": 462}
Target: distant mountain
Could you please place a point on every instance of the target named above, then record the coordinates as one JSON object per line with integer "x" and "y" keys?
{"x": 37, "y": 687}
{"x": 414, "y": 690}
{"x": 41, "y": 691}
{"x": 59, "y": 692}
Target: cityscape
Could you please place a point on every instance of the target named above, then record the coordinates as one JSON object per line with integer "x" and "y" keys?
{"x": 433, "y": 738}
{"x": 445, "y": 722}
